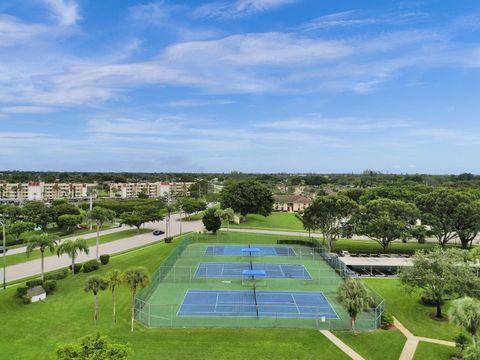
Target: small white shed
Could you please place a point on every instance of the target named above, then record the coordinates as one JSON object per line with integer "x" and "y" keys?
{"x": 37, "y": 293}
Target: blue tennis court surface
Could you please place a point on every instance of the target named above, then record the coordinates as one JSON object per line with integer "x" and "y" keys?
{"x": 234, "y": 250}
{"x": 233, "y": 270}
{"x": 282, "y": 304}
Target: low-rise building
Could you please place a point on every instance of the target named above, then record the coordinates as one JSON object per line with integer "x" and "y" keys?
{"x": 35, "y": 190}
{"x": 291, "y": 203}
{"x": 150, "y": 189}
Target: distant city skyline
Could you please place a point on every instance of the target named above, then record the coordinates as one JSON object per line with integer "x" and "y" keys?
{"x": 293, "y": 86}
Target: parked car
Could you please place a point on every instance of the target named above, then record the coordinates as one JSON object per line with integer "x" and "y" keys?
{"x": 344, "y": 253}
{"x": 158, "y": 232}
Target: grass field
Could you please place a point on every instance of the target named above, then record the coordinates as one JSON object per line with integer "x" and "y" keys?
{"x": 22, "y": 257}
{"x": 426, "y": 351}
{"x": 276, "y": 221}
{"x": 376, "y": 345}
{"x": 410, "y": 312}
{"x": 34, "y": 331}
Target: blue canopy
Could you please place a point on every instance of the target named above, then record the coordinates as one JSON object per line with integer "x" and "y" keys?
{"x": 250, "y": 250}
{"x": 254, "y": 273}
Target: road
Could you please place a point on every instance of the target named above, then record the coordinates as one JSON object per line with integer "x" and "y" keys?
{"x": 305, "y": 234}
{"x": 31, "y": 268}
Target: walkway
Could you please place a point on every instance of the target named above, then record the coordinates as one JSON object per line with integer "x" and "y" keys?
{"x": 32, "y": 268}
{"x": 410, "y": 347}
{"x": 341, "y": 345}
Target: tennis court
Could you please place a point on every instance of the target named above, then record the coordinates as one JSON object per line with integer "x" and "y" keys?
{"x": 284, "y": 304}
{"x": 237, "y": 250}
{"x": 235, "y": 270}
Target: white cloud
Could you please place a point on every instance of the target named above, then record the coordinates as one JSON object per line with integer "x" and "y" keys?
{"x": 65, "y": 11}
{"x": 26, "y": 109}
{"x": 347, "y": 124}
{"x": 13, "y": 30}
{"x": 198, "y": 102}
{"x": 238, "y": 8}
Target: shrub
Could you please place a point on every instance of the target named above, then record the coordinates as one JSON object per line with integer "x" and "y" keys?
{"x": 461, "y": 342}
{"x": 76, "y": 268}
{"x": 104, "y": 259}
{"x": 91, "y": 265}
{"x": 32, "y": 283}
{"x": 26, "y": 299}
{"x": 387, "y": 320}
{"x": 22, "y": 291}
{"x": 168, "y": 240}
{"x": 57, "y": 275}
{"x": 50, "y": 286}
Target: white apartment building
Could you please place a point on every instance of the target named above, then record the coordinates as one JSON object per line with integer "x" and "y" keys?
{"x": 35, "y": 190}
{"x": 151, "y": 189}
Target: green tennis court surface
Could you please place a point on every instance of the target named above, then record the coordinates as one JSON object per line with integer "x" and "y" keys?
{"x": 192, "y": 288}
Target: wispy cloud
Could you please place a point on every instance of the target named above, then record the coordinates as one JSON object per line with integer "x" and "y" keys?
{"x": 238, "y": 8}
{"x": 199, "y": 102}
{"x": 65, "y": 11}
{"x": 14, "y": 31}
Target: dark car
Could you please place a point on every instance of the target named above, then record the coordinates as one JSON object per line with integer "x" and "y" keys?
{"x": 158, "y": 232}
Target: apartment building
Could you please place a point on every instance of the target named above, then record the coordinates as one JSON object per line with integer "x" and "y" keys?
{"x": 34, "y": 190}
{"x": 151, "y": 189}
{"x": 291, "y": 203}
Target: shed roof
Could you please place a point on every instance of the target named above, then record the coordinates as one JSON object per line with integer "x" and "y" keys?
{"x": 296, "y": 199}
{"x": 35, "y": 291}
{"x": 376, "y": 261}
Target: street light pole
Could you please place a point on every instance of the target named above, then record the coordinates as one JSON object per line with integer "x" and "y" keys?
{"x": 2, "y": 222}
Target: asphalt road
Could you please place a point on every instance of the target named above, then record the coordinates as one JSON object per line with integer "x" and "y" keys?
{"x": 31, "y": 268}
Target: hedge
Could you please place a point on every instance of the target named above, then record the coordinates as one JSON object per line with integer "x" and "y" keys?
{"x": 91, "y": 265}
{"x": 104, "y": 259}
{"x": 50, "y": 286}
{"x": 57, "y": 275}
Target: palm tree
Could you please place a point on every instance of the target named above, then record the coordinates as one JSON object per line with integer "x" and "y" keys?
{"x": 72, "y": 248}
{"x": 100, "y": 216}
{"x": 354, "y": 297}
{"x": 42, "y": 242}
{"x": 95, "y": 284}
{"x": 114, "y": 278}
{"x": 135, "y": 278}
{"x": 227, "y": 215}
{"x": 465, "y": 312}
{"x": 170, "y": 209}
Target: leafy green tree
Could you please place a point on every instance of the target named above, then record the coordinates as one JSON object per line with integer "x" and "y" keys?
{"x": 332, "y": 215}
{"x": 467, "y": 224}
{"x": 247, "y": 197}
{"x": 72, "y": 248}
{"x": 42, "y": 242}
{"x": 353, "y": 295}
{"x": 135, "y": 278}
{"x": 211, "y": 220}
{"x": 16, "y": 229}
{"x": 191, "y": 205}
{"x": 465, "y": 312}
{"x": 439, "y": 211}
{"x": 38, "y": 213}
{"x": 386, "y": 220}
{"x": 93, "y": 347}
{"x": 62, "y": 208}
{"x": 69, "y": 222}
{"x": 114, "y": 278}
{"x": 11, "y": 212}
{"x": 95, "y": 284}
{"x": 141, "y": 215}
{"x": 100, "y": 216}
{"x": 440, "y": 274}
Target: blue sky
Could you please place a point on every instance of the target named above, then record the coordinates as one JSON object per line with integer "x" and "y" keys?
{"x": 247, "y": 85}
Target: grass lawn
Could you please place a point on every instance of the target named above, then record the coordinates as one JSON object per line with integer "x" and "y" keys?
{"x": 22, "y": 257}
{"x": 240, "y": 237}
{"x": 427, "y": 351}
{"x": 34, "y": 331}
{"x": 276, "y": 221}
{"x": 410, "y": 312}
{"x": 375, "y": 345}
{"x": 194, "y": 217}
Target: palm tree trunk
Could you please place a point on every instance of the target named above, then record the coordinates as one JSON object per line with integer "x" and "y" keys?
{"x": 95, "y": 316}
{"x": 98, "y": 240}
{"x": 439, "y": 310}
{"x": 73, "y": 265}
{"x": 354, "y": 329}
{"x": 133, "y": 309}
{"x": 114, "y": 308}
